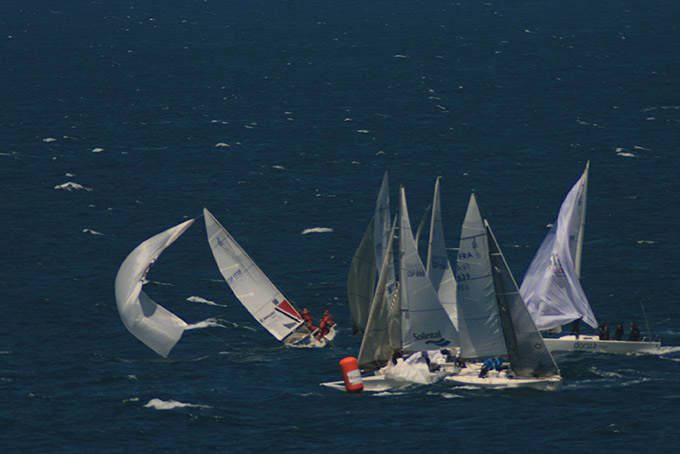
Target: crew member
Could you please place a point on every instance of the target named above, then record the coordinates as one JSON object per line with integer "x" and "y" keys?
{"x": 325, "y": 324}
{"x": 618, "y": 334}
{"x": 634, "y": 332}
{"x": 307, "y": 316}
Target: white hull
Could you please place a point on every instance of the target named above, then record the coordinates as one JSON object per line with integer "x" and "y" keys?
{"x": 590, "y": 343}
{"x": 504, "y": 382}
{"x": 309, "y": 340}
{"x": 382, "y": 383}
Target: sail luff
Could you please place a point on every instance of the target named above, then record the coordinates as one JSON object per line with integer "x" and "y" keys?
{"x": 582, "y": 223}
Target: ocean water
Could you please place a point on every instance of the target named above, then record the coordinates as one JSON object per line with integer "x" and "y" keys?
{"x": 121, "y": 119}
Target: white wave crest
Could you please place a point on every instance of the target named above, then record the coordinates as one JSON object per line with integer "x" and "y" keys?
{"x": 317, "y": 230}
{"x": 159, "y": 404}
{"x": 93, "y": 232}
{"x": 208, "y": 323}
{"x": 71, "y": 186}
{"x": 199, "y": 300}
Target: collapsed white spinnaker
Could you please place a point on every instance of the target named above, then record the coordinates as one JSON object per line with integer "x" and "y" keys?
{"x": 149, "y": 322}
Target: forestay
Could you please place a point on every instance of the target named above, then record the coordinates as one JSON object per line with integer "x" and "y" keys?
{"x": 149, "y": 322}
{"x": 250, "y": 285}
{"x": 551, "y": 286}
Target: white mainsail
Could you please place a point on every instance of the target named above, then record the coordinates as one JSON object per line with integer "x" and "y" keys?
{"x": 438, "y": 266}
{"x": 250, "y": 285}
{"x": 551, "y": 287}
{"x": 149, "y": 322}
{"x": 479, "y": 327}
{"x": 425, "y": 325}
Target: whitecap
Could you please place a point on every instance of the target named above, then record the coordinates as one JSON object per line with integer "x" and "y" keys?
{"x": 199, "y": 300}
{"x": 279, "y": 167}
{"x": 70, "y": 186}
{"x": 49, "y": 139}
{"x": 93, "y": 232}
{"x": 97, "y": 150}
{"x": 317, "y": 230}
{"x": 363, "y": 131}
{"x": 208, "y": 323}
{"x": 159, "y": 404}
{"x": 222, "y": 144}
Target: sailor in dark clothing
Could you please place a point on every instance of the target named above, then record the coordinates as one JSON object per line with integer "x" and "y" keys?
{"x": 634, "y": 332}
{"x": 618, "y": 334}
{"x": 575, "y": 327}
{"x": 603, "y": 331}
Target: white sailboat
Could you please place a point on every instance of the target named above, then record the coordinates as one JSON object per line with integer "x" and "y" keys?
{"x": 492, "y": 318}
{"x": 149, "y": 322}
{"x": 552, "y": 289}
{"x": 367, "y": 261}
{"x": 410, "y": 320}
{"x": 256, "y": 292}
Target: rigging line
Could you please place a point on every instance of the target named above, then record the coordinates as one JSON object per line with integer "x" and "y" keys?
{"x": 644, "y": 314}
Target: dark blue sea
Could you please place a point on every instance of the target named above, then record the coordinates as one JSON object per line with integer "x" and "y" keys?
{"x": 121, "y": 119}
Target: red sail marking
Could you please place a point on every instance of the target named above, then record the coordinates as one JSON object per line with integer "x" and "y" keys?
{"x": 286, "y": 307}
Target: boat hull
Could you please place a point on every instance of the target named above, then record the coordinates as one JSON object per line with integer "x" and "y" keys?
{"x": 387, "y": 382}
{"x": 591, "y": 343}
{"x": 551, "y": 383}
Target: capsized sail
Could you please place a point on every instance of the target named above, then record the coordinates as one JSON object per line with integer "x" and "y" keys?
{"x": 425, "y": 325}
{"x": 438, "y": 266}
{"x": 149, "y": 322}
{"x": 527, "y": 352}
{"x": 250, "y": 285}
{"x": 479, "y": 326}
{"x": 382, "y": 335}
{"x": 551, "y": 287}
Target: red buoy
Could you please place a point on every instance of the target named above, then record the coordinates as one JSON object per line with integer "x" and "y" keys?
{"x": 351, "y": 374}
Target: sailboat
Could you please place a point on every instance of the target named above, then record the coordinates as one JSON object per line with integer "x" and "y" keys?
{"x": 552, "y": 289}
{"x": 493, "y": 320}
{"x": 410, "y": 320}
{"x": 256, "y": 292}
{"x": 151, "y": 323}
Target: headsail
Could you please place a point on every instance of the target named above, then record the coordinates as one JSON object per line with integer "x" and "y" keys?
{"x": 383, "y": 323}
{"x": 479, "y": 325}
{"x": 149, "y": 322}
{"x": 361, "y": 281}
{"x": 527, "y": 352}
{"x": 551, "y": 286}
{"x": 425, "y": 325}
{"x": 250, "y": 285}
{"x": 438, "y": 266}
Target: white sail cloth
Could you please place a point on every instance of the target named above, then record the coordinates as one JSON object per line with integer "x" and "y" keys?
{"x": 149, "y": 322}
{"x": 425, "y": 325}
{"x": 551, "y": 287}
